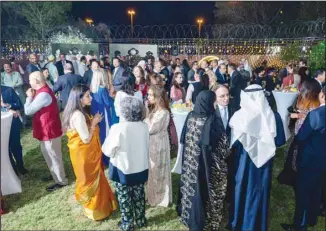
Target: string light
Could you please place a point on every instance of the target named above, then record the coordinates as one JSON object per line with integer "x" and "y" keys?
{"x": 271, "y": 48}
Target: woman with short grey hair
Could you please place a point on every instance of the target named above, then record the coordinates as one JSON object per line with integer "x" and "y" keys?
{"x": 127, "y": 145}
{"x": 132, "y": 109}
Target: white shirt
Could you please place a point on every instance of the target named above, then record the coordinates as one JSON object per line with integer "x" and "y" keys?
{"x": 82, "y": 68}
{"x": 121, "y": 95}
{"x": 319, "y": 82}
{"x": 78, "y": 122}
{"x": 41, "y": 100}
{"x": 224, "y": 114}
{"x": 214, "y": 69}
{"x": 127, "y": 145}
{"x": 190, "y": 91}
{"x": 115, "y": 71}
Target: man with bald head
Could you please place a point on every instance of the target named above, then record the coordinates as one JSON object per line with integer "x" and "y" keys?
{"x": 65, "y": 83}
{"x": 42, "y": 104}
{"x": 33, "y": 64}
{"x": 224, "y": 112}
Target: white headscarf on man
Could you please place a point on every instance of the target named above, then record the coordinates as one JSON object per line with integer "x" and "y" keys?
{"x": 254, "y": 125}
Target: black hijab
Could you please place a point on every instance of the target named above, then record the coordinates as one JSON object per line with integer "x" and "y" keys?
{"x": 204, "y": 107}
{"x": 208, "y": 141}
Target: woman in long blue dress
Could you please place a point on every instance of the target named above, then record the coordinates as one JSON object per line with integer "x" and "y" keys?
{"x": 256, "y": 131}
{"x": 104, "y": 104}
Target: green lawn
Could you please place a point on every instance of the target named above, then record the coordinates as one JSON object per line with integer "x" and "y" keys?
{"x": 37, "y": 209}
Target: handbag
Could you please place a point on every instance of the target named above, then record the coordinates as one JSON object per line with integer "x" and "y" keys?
{"x": 292, "y": 121}
{"x": 173, "y": 135}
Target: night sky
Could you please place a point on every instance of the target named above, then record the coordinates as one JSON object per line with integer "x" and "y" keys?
{"x": 147, "y": 13}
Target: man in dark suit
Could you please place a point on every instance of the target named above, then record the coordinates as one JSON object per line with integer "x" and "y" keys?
{"x": 165, "y": 71}
{"x": 60, "y": 64}
{"x": 260, "y": 80}
{"x": 311, "y": 170}
{"x": 214, "y": 65}
{"x": 87, "y": 78}
{"x": 271, "y": 80}
{"x": 9, "y": 99}
{"x": 161, "y": 69}
{"x": 191, "y": 72}
{"x": 221, "y": 74}
{"x": 237, "y": 84}
{"x": 320, "y": 77}
{"x": 224, "y": 112}
{"x": 65, "y": 83}
{"x": 244, "y": 73}
{"x": 33, "y": 64}
{"x": 117, "y": 74}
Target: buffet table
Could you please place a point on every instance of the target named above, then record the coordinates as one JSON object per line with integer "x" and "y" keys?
{"x": 179, "y": 118}
{"x": 10, "y": 183}
{"x": 283, "y": 101}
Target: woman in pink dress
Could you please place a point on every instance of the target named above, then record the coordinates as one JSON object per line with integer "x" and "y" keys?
{"x": 140, "y": 80}
{"x": 289, "y": 79}
{"x": 177, "y": 93}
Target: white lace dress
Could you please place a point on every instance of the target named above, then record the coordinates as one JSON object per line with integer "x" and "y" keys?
{"x": 159, "y": 185}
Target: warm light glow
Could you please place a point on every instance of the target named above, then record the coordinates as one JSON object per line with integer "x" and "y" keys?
{"x": 200, "y": 21}
{"x": 89, "y": 20}
{"x": 131, "y": 12}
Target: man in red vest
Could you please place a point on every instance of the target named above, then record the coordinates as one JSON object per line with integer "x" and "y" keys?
{"x": 42, "y": 104}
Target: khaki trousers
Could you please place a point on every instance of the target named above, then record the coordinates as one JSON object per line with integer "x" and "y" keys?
{"x": 51, "y": 150}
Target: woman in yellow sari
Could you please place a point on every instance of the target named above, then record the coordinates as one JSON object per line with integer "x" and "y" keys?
{"x": 92, "y": 188}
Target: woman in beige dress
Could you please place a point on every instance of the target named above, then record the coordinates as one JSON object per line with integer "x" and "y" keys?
{"x": 159, "y": 185}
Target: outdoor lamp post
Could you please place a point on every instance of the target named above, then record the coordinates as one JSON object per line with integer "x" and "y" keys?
{"x": 200, "y": 22}
{"x": 89, "y": 21}
{"x": 131, "y": 13}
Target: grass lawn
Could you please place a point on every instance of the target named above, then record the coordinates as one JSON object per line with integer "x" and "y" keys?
{"x": 36, "y": 209}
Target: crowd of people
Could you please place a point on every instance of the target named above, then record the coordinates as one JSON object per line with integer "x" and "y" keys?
{"x": 118, "y": 118}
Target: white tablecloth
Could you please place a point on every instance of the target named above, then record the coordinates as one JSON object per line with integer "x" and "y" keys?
{"x": 179, "y": 119}
{"x": 283, "y": 101}
{"x": 10, "y": 183}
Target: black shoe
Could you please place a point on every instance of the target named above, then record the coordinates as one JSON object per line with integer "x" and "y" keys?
{"x": 54, "y": 187}
{"x": 288, "y": 227}
{"x": 46, "y": 179}
{"x": 322, "y": 213}
{"x": 22, "y": 170}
